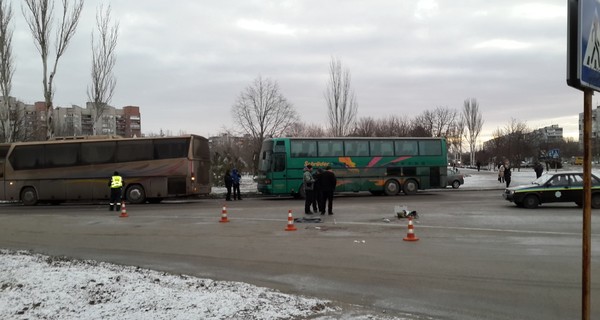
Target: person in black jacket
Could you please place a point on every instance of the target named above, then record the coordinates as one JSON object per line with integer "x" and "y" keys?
{"x": 328, "y": 183}
{"x": 228, "y": 183}
{"x": 507, "y": 173}
{"x": 318, "y": 200}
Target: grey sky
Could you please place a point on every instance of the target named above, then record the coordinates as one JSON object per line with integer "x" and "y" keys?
{"x": 185, "y": 62}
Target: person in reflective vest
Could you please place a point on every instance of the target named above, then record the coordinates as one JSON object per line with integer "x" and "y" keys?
{"x": 116, "y": 186}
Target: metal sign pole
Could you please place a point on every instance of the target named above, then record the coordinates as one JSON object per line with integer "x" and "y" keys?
{"x": 587, "y": 208}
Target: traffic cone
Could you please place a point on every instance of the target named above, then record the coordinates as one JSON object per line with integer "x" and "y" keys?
{"x": 224, "y": 215}
{"x": 123, "y": 210}
{"x": 290, "y": 223}
{"x": 411, "y": 234}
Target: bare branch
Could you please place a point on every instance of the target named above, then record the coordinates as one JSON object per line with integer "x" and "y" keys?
{"x": 341, "y": 100}
{"x": 101, "y": 91}
{"x": 39, "y": 16}
{"x": 6, "y": 69}
{"x": 262, "y": 111}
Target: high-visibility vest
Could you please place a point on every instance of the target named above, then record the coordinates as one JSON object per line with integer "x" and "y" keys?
{"x": 116, "y": 182}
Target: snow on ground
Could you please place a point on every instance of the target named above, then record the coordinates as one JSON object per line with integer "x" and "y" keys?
{"x": 35, "y": 286}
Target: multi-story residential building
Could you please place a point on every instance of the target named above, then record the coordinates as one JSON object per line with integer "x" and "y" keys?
{"x": 595, "y": 125}
{"x": 77, "y": 121}
{"x": 30, "y": 121}
{"x": 549, "y": 134}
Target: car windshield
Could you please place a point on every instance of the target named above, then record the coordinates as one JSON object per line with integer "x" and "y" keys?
{"x": 543, "y": 179}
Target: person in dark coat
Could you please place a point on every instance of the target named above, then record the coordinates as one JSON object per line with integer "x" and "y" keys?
{"x": 317, "y": 203}
{"x": 539, "y": 169}
{"x": 507, "y": 173}
{"x": 228, "y": 184}
{"x": 328, "y": 183}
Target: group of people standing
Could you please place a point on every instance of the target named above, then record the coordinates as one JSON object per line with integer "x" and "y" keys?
{"x": 319, "y": 188}
{"x": 232, "y": 181}
{"x": 504, "y": 172}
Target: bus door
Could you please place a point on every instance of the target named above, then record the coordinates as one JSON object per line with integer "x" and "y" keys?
{"x": 279, "y": 174}
{"x": 435, "y": 180}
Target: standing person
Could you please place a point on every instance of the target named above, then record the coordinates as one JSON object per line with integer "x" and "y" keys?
{"x": 236, "y": 177}
{"x": 328, "y": 183}
{"x": 501, "y": 173}
{"x": 318, "y": 191}
{"x": 116, "y": 187}
{"x": 478, "y": 166}
{"x": 539, "y": 169}
{"x": 309, "y": 186}
{"x": 507, "y": 173}
{"x": 228, "y": 183}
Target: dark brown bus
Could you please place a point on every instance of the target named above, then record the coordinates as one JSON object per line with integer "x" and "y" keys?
{"x": 69, "y": 170}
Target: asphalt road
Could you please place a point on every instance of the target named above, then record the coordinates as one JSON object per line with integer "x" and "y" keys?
{"x": 478, "y": 257}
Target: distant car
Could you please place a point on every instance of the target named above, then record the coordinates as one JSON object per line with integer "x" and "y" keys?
{"x": 455, "y": 178}
{"x": 553, "y": 187}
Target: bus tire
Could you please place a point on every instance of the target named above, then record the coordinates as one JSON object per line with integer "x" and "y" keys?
{"x": 135, "y": 194}
{"x": 29, "y": 196}
{"x": 410, "y": 187}
{"x": 391, "y": 187}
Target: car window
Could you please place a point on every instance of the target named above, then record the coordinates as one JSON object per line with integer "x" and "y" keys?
{"x": 559, "y": 181}
{"x": 576, "y": 180}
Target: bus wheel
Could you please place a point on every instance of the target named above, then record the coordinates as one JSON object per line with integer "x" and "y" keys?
{"x": 135, "y": 194}
{"x": 29, "y": 196}
{"x": 410, "y": 187}
{"x": 391, "y": 188}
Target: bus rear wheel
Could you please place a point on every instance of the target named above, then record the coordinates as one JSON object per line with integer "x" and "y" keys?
{"x": 391, "y": 187}
{"x": 29, "y": 196}
{"x": 410, "y": 187}
{"x": 135, "y": 194}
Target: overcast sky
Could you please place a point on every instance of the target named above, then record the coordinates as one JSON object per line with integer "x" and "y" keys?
{"x": 185, "y": 62}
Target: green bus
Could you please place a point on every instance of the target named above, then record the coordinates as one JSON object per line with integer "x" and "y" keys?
{"x": 79, "y": 169}
{"x": 379, "y": 165}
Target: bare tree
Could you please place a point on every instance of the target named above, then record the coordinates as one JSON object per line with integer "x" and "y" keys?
{"x": 6, "y": 70}
{"x": 473, "y": 124}
{"x": 341, "y": 100}
{"x": 101, "y": 91}
{"x": 40, "y": 17}
{"x": 439, "y": 123}
{"x": 262, "y": 111}
{"x": 300, "y": 129}
{"x": 365, "y": 127}
{"x": 395, "y": 127}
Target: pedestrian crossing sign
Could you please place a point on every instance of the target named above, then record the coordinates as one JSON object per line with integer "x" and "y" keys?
{"x": 583, "y": 53}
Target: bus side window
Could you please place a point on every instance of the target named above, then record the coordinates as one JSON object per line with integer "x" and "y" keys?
{"x": 62, "y": 155}
{"x": 406, "y": 148}
{"x": 356, "y": 148}
{"x": 430, "y": 148}
{"x": 278, "y": 162}
{"x": 27, "y": 157}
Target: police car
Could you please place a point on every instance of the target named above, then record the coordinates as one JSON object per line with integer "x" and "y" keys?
{"x": 553, "y": 187}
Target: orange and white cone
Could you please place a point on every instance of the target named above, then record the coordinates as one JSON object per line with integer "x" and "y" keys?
{"x": 411, "y": 233}
{"x": 123, "y": 210}
{"x": 290, "y": 223}
{"x": 224, "y": 215}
